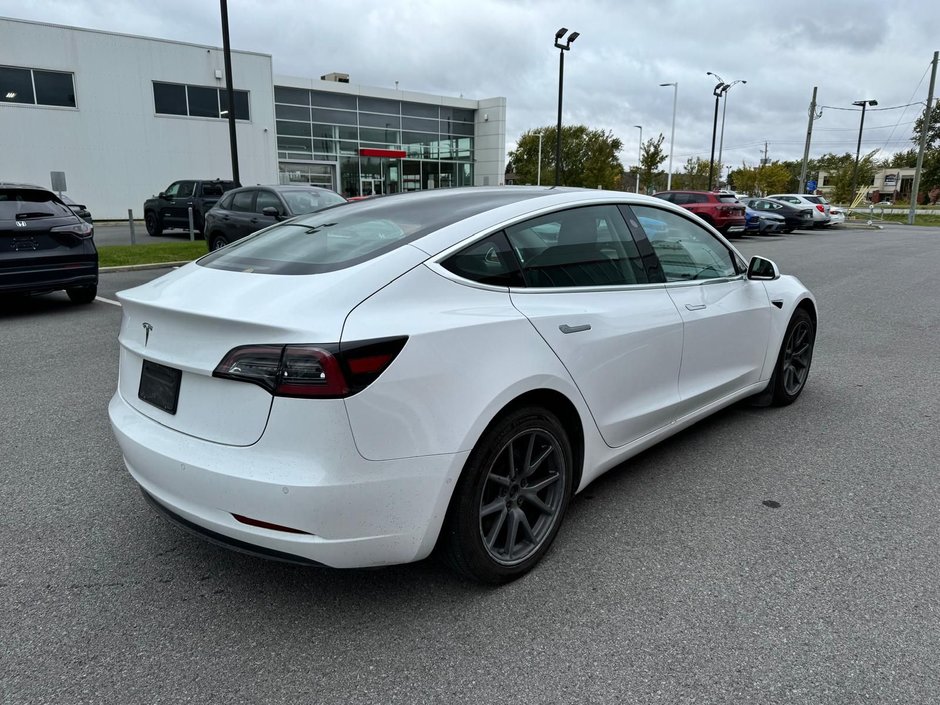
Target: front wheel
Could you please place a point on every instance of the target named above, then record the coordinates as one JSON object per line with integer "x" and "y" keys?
{"x": 794, "y": 360}
{"x": 511, "y": 498}
{"x": 153, "y": 223}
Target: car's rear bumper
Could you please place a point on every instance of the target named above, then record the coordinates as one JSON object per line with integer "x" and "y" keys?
{"x": 48, "y": 275}
{"x": 316, "y": 499}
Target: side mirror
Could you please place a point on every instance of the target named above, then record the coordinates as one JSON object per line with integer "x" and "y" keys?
{"x": 270, "y": 211}
{"x": 162, "y": 196}
{"x": 760, "y": 269}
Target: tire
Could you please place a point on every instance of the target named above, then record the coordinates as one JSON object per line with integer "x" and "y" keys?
{"x": 794, "y": 360}
{"x": 216, "y": 241}
{"x": 153, "y": 223}
{"x": 82, "y": 294}
{"x": 511, "y": 498}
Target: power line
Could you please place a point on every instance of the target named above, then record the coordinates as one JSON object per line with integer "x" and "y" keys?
{"x": 856, "y": 110}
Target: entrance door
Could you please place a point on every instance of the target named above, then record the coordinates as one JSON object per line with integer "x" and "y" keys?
{"x": 371, "y": 187}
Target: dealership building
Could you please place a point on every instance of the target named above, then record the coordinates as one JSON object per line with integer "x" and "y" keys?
{"x": 122, "y": 116}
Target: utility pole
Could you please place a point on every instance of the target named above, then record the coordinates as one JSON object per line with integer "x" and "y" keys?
{"x": 230, "y": 90}
{"x": 764, "y": 161}
{"x": 809, "y": 137}
{"x": 923, "y": 141}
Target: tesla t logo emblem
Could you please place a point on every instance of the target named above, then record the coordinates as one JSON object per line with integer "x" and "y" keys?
{"x": 147, "y": 329}
{"x": 21, "y": 223}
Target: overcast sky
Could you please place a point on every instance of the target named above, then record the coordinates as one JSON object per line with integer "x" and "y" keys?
{"x": 850, "y": 49}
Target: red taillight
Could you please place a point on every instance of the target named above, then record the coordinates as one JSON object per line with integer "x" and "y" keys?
{"x": 310, "y": 371}
{"x": 820, "y": 207}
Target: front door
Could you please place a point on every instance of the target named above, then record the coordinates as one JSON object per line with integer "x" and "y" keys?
{"x": 726, "y": 317}
{"x": 174, "y": 207}
{"x": 589, "y": 297}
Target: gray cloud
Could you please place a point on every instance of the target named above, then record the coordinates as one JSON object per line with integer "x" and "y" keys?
{"x": 850, "y": 49}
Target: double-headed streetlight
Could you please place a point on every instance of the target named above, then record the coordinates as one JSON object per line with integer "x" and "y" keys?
{"x": 858, "y": 149}
{"x": 639, "y": 156}
{"x": 561, "y": 78}
{"x": 724, "y": 109}
{"x": 672, "y": 136}
{"x": 719, "y": 89}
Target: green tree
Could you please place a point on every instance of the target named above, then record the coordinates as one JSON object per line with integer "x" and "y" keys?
{"x": 775, "y": 177}
{"x": 694, "y": 176}
{"x": 651, "y": 156}
{"x": 588, "y": 157}
{"x": 933, "y": 130}
{"x": 902, "y": 160}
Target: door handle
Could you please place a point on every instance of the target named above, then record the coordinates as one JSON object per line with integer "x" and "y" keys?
{"x": 695, "y": 307}
{"x": 565, "y": 328}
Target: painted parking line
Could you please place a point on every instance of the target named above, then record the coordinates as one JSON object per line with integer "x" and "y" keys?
{"x": 107, "y": 301}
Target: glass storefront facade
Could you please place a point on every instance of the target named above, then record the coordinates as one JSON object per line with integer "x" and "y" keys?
{"x": 368, "y": 146}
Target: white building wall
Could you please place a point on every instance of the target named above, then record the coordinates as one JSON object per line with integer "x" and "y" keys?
{"x": 490, "y": 142}
{"x": 115, "y": 151}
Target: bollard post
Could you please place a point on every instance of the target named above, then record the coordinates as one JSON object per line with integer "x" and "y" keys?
{"x": 192, "y": 235}
{"x": 130, "y": 222}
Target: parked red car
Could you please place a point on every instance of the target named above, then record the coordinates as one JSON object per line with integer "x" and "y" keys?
{"x": 722, "y": 211}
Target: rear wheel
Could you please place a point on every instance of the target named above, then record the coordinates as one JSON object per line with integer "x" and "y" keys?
{"x": 153, "y": 223}
{"x": 511, "y": 498}
{"x": 794, "y": 360}
{"x": 82, "y": 294}
{"x": 217, "y": 241}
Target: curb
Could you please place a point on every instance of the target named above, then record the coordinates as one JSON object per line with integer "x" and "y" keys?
{"x": 135, "y": 267}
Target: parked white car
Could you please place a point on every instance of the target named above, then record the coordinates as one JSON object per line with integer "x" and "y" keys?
{"x": 820, "y": 206}
{"x": 440, "y": 368}
{"x": 836, "y": 215}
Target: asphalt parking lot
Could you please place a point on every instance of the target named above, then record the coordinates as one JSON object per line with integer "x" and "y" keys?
{"x": 675, "y": 578}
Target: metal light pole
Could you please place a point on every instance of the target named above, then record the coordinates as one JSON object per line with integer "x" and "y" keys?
{"x": 923, "y": 141}
{"x": 639, "y": 156}
{"x": 561, "y": 82}
{"x": 858, "y": 149}
{"x": 230, "y": 90}
{"x": 539, "y": 178}
{"x": 672, "y": 135}
{"x": 719, "y": 88}
{"x": 724, "y": 108}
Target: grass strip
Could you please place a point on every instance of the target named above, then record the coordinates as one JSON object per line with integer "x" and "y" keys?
{"x": 151, "y": 253}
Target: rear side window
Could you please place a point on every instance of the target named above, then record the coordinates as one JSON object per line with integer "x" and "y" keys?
{"x": 489, "y": 261}
{"x": 578, "y": 247}
{"x": 24, "y": 204}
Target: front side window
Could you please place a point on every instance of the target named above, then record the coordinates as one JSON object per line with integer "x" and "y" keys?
{"x": 172, "y": 191}
{"x": 686, "y": 250}
{"x": 242, "y": 201}
{"x": 489, "y": 261}
{"x": 579, "y": 247}
{"x": 266, "y": 199}
{"x": 55, "y": 88}
{"x": 186, "y": 189}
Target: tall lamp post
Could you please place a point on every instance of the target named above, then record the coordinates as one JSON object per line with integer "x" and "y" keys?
{"x": 719, "y": 89}
{"x": 858, "y": 149}
{"x": 639, "y": 156}
{"x": 672, "y": 135}
{"x": 561, "y": 82}
{"x": 539, "y": 178}
{"x": 724, "y": 108}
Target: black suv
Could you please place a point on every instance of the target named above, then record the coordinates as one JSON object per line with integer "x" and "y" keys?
{"x": 243, "y": 211}
{"x": 170, "y": 208}
{"x": 44, "y": 245}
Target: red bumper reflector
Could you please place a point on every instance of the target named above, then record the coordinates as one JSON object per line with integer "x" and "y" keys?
{"x": 267, "y": 525}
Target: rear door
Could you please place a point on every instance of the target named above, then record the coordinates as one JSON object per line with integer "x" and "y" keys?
{"x": 726, "y": 317}
{"x": 589, "y": 296}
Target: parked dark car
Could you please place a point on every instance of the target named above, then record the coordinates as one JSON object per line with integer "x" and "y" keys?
{"x": 170, "y": 208}
{"x": 44, "y": 245}
{"x": 246, "y": 210}
{"x": 796, "y": 217}
{"x": 763, "y": 222}
{"x": 78, "y": 209}
{"x": 720, "y": 210}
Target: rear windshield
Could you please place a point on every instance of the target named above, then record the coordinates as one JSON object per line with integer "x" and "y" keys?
{"x": 23, "y": 204}
{"x": 816, "y": 199}
{"x": 349, "y": 234}
{"x": 301, "y": 202}
{"x": 727, "y": 198}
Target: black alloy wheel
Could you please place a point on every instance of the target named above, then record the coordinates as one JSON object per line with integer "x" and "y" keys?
{"x": 794, "y": 360}
{"x": 511, "y": 498}
{"x": 154, "y": 226}
{"x": 217, "y": 241}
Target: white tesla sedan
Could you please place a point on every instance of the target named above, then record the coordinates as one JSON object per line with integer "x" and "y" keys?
{"x": 358, "y": 386}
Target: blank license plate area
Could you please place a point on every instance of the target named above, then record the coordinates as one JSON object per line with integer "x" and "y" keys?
{"x": 160, "y": 386}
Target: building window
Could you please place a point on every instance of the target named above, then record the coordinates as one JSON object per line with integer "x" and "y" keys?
{"x": 36, "y": 87}
{"x": 197, "y": 101}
